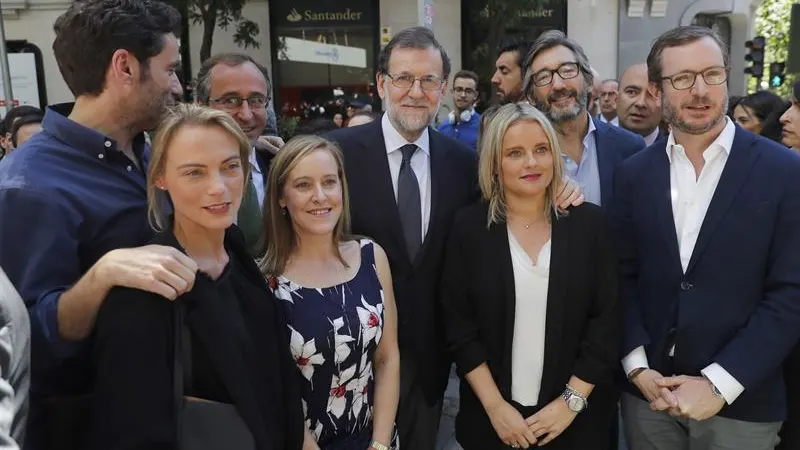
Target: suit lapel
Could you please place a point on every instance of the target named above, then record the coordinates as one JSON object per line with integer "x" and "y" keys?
{"x": 743, "y": 155}
{"x": 437, "y": 165}
{"x": 560, "y": 256}
{"x": 661, "y": 184}
{"x": 605, "y": 165}
{"x": 499, "y": 251}
{"x": 378, "y": 186}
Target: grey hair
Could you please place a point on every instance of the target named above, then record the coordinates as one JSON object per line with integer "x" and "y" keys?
{"x": 546, "y": 41}
{"x": 418, "y": 38}
{"x": 202, "y": 89}
{"x": 678, "y": 37}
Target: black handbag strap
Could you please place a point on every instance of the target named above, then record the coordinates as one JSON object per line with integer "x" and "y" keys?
{"x": 182, "y": 364}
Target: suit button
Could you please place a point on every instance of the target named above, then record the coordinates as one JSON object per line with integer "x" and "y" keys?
{"x": 685, "y": 285}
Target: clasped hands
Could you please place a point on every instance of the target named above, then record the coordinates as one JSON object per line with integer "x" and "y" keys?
{"x": 538, "y": 429}
{"x": 681, "y": 396}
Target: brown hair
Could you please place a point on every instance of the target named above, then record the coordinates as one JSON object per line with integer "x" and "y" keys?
{"x": 280, "y": 233}
{"x": 181, "y": 116}
{"x": 678, "y": 37}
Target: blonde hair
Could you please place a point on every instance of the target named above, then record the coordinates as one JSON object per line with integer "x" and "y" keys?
{"x": 177, "y": 118}
{"x": 490, "y": 175}
{"x": 280, "y": 233}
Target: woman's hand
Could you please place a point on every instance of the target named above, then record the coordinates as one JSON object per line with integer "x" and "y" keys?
{"x": 308, "y": 441}
{"x": 510, "y": 426}
{"x": 551, "y": 421}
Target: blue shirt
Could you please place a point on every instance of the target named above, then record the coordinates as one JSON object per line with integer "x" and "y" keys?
{"x": 67, "y": 197}
{"x": 464, "y": 132}
{"x": 586, "y": 172}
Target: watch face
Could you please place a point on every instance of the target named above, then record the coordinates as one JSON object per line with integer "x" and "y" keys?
{"x": 575, "y": 404}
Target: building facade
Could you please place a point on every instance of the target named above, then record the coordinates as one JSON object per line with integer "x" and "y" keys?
{"x": 321, "y": 50}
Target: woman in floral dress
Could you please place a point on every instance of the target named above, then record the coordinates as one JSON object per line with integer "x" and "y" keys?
{"x": 337, "y": 294}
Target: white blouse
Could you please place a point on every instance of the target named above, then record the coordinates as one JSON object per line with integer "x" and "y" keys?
{"x": 530, "y": 317}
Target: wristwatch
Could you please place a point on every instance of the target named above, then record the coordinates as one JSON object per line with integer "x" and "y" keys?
{"x": 576, "y": 402}
{"x": 714, "y": 389}
{"x": 378, "y": 446}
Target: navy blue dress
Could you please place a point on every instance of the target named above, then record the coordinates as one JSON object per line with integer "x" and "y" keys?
{"x": 334, "y": 332}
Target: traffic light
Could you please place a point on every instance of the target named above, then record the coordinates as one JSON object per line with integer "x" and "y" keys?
{"x": 756, "y": 56}
{"x": 776, "y": 74}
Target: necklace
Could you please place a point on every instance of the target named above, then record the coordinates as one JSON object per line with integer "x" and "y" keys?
{"x": 534, "y": 222}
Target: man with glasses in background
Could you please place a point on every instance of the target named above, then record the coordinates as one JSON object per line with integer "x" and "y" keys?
{"x": 709, "y": 235}
{"x": 238, "y": 85}
{"x": 463, "y": 122}
{"x": 557, "y": 81}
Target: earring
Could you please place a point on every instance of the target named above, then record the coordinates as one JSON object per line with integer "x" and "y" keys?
{"x": 284, "y": 211}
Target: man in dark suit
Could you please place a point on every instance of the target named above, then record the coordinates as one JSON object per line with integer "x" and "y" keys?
{"x": 557, "y": 81}
{"x": 639, "y": 108}
{"x": 406, "y": 182}
{"x": 709, "y": 228}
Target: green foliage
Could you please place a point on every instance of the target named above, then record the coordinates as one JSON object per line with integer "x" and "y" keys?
{"x": 220, "y": 13}
{"x": 772, "y": 21}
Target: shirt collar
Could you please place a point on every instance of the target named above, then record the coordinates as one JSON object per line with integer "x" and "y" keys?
{"x": 394, "y": 141}
{"x": 724, "y": 140}
{"x": 589, "y": 131}
{"x": 57, "y": 123}
{"x": 651, "y": 138}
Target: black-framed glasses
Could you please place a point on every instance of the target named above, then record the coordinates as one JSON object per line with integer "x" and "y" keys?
{"x": 427, "y": 83}
{"x": 232, "y": 102}
{"x": 566, "y": 71}
{"x": 466, "y": 91}
{"x": 712, "y": 76}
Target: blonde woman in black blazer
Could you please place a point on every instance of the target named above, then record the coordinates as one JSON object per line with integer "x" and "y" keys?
{"x": 529, "y": 294}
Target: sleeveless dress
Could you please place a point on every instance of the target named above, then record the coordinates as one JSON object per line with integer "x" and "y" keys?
{"x": 334, "y": 332}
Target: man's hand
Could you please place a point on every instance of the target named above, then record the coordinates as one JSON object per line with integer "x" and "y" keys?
{"x": 569, "y": 194}
{"x": 510, "y": 426}
{"x": 158, "y": 269}
{"x": 271, "y": 144}
{"x": 660, "y": 398}
{"x": 695, "y": 395}
{"x": 551, "y": 421}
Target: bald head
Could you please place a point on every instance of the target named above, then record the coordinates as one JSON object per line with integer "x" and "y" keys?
{"x": 638, "y": 110}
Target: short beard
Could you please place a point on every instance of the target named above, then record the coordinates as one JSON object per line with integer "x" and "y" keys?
{"x": 671, "y": 117}
{"x": 406, "y": 125}
{"x": 557, "y": 117}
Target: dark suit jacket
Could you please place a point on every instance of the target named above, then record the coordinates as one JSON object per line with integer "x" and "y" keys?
{"x": 614, "y": 145}
{"x": 738, "y": 304}
{"x": 245, "y": 359}
{"x": 582, "y": 330}
{"x": 374, "y": 213}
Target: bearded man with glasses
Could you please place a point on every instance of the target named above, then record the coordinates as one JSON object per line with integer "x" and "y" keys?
{"x": 708, "y": 223}
{"x": 557, "y": 81}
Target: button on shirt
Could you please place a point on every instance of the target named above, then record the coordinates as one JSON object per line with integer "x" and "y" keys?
{"x": 420, "y": 163}
{"x": 586, "y": 172}
{"x": 691, "y": 196}
{"x": 68, "y": 199}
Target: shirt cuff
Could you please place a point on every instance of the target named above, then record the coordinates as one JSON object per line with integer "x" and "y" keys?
{"x": 730, "y": 388}
{"x": 635, "y": 359}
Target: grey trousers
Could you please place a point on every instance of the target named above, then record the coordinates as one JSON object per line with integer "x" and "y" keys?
{"x": 417, "y": 420}
{"x": 646, "y": 429}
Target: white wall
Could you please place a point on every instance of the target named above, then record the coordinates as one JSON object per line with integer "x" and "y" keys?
{"x": 594, "y": 24}
{"x": 36, "y": 26}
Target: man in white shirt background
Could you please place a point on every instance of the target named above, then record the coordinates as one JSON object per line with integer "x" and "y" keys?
{"x": 708, "y": 225}
{"x": 639, "y": 108}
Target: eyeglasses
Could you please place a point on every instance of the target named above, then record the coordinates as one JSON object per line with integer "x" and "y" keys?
{"x": 566, "y": 71}
{"x": 467, "y": 91}
{"x": 712, "y": 76}
{"x": 234, "y": 102}
{"x": 427, "y": 83}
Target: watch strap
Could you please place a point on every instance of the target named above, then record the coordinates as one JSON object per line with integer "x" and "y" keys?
{"x": 378, "y": 446}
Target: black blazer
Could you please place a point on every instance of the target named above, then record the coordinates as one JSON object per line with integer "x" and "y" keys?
{"x": 581, "y": 336}
{"x": 374, "y": 213}
{"x": 248, "y": 353}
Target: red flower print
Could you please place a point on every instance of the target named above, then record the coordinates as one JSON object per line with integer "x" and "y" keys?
{"x": 273, "y": 282}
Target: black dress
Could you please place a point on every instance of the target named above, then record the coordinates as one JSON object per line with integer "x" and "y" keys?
{"x": 240, "y": 355}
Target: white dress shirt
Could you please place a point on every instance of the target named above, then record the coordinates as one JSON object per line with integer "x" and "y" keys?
{"x": 648, "y": 140}
{"x": 258, "y": 177}
{"x": 420, "y": 163}
{"x": 530, "y": 319}
{"x": 691, "y": 196}
{"x": 614, "y": 121}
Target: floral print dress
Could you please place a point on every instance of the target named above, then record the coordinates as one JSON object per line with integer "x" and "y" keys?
{"x": 334, "y": 332}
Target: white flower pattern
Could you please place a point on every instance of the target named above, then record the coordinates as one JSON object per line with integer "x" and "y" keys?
{"x": 334, "y": 333}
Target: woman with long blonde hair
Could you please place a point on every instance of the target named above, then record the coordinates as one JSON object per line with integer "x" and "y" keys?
{"x": 336, "y": 290}
{"x": 529, "y": 294}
